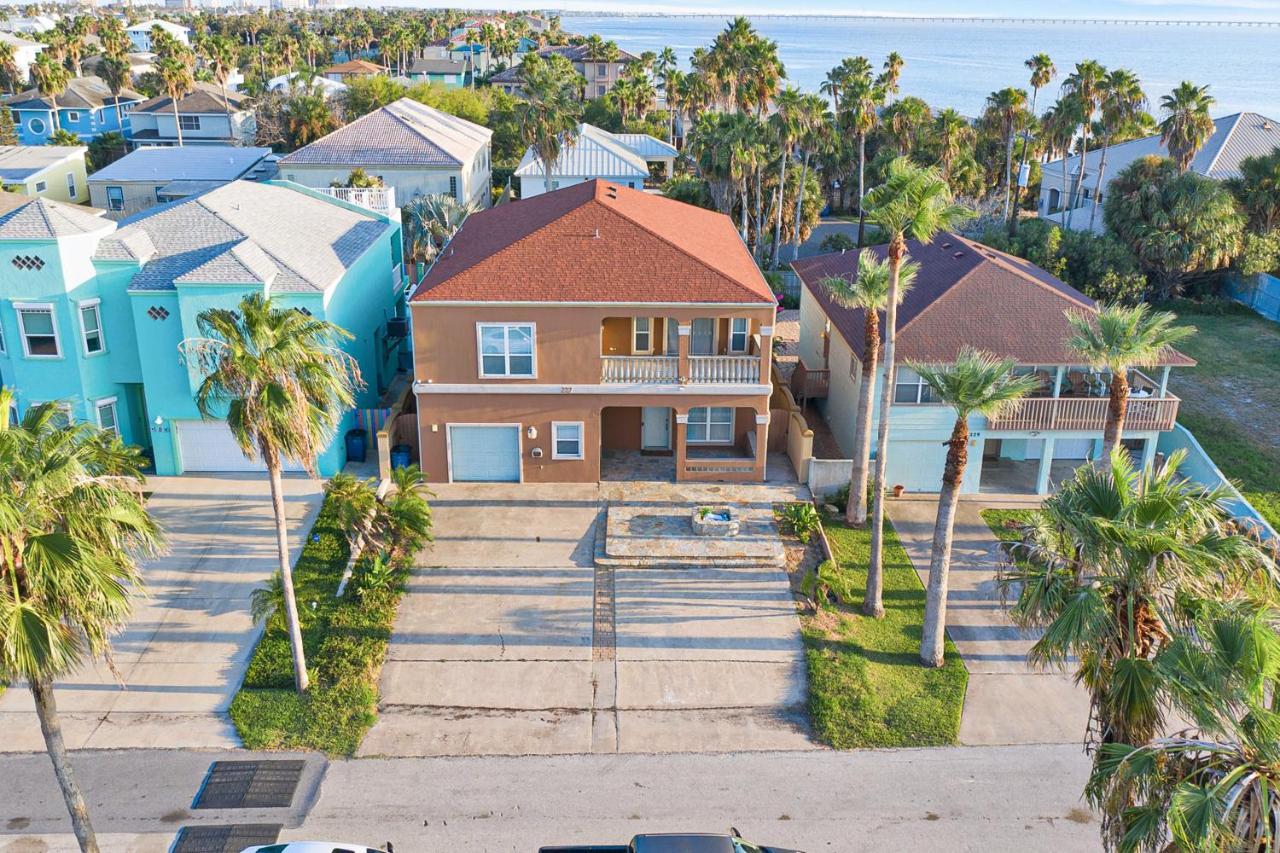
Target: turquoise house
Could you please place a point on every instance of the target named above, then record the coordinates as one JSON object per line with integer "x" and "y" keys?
{"x": 86, "y": 108}
{"x": 93, "y": 312}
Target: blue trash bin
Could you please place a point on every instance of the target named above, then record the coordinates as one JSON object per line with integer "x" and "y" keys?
{"x": 356, "y": 445}
{"x": 400, "y": 456}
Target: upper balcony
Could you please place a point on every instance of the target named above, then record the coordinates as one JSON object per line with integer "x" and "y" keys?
{"x": 1081, "y": 404}
{"x": 378, "y": 199}
{"x": 647, "y": 350}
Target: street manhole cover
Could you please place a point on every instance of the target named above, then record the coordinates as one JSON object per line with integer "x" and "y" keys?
{"x": 225, "y": 839}
{"x": 249, "y": 785}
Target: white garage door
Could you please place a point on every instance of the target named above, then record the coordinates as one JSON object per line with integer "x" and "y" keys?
{"x": 209, "y": 446}
{"x": 484, "y": 454}
{"x": 917, "y": 465}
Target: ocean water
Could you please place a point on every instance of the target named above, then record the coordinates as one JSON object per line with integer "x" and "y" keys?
{"x": 958, "y": 64}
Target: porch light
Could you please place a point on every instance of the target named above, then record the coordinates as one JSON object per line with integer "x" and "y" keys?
{"x": 532, "y": 432}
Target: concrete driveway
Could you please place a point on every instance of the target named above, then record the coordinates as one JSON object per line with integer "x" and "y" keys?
{"x": 1007, "y": 702}
{"x": 511, "y": 641}
{"x": 184, "y": 652}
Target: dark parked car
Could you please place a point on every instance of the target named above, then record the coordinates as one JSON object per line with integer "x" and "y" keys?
{"x": 674, "y": 843}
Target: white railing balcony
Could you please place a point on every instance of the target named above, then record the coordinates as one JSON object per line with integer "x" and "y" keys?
{"x": 1154, "y": 414}
{"x": 378, "y": 199}
{"x": 639, "y": 368}
{"x": 724, "y": 369}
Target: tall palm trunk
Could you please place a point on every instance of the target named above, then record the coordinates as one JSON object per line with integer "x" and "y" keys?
{"x": 1017, "y": 193}
{"x": 935, "y": 609}
{"x": 300, "y": 678}
{"x": 1079, "y": 182}
{"x": 804, "y": 176}
{"x": 1097, "y": 187}
{"x": 873, "y": 605}
{"x": 177, "y": 122}
{"x": 1063, "y": 200}
{"x": 1117, "y": 408}
{"x": 226, "y": 105}
{"x": 1008, "y": 174}
{"x": 856, "y": 509}
{"x": 51, "y": 728}
{"x": 745, "y": 205}
{"x": 546, "y": 172}
{"x": 53, "y": 99}
{"x": 862, "y": 176}
{"x": 782, "y": 202}
{"x": 759, "y": 212}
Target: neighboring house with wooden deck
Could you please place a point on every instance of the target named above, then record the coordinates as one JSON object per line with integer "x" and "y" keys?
{"x": 561, "y": 334}
{"x": 967, "y": 294}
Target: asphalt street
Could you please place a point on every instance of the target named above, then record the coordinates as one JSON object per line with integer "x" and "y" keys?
{"x": 1023, "y": 798}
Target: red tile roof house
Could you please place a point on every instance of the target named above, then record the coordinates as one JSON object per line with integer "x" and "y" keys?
{"x": 587, "y": 324}
{"x": 967, "y": 294}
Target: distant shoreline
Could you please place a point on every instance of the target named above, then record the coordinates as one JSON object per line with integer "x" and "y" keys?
{"x": 927, "y": 19}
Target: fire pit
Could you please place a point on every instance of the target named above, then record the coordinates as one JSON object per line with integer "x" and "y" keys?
{"x": 720, "y": 521}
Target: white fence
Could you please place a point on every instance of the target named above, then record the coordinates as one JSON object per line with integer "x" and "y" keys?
{"x": 378, "y": 199}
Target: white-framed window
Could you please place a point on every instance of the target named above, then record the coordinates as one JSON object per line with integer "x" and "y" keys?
{"x": 37, "y": 126}
{"x": 115, "y": 198}
{"x": 91, "y": 327}
{"x": 189, "y": 122}
{"x": 566, "y": 440}
{"x": 910, "y": 388}
{"x": 72, "y": 115}
{"x": 71, "y": 184}
{"x": 602, "y": 69}
{"x": 710, "y": 425}
{"x": 39, "y": 329}
{"x": 106, "y": 411}
{"x": 453, "y": 185}
{"x": 738, "y": 328}
{"x": 62, "y": 415}
{"x": 506, "y": 349}
{"x": 41, "y": 186}
{"x": 600, "y": 90}
{"x": 642, "y": 335}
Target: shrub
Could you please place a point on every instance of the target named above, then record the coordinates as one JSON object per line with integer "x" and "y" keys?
{"x": 838, "y": 242}
{"x": 802, "y": 519}
{"x": 828, "y": 585}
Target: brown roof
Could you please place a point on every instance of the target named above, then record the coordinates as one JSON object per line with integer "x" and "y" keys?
{"x": 596, "y": 242}
{"x": 355, "y": 66}
{"x": 966, "y": 294}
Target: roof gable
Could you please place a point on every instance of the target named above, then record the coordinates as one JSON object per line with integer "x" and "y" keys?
{"x": 42, "y": 219}
{"x": 403, "y": 133}
{"x": 593, "y": 153}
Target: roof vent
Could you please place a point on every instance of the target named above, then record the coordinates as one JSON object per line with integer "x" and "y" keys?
{"x": 946, "y": 245}
{"x": 597, "y": 235}
{"x": 958, "y": 255}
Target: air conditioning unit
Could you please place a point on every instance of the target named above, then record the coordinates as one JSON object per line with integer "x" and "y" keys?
{"x": 398, "y": 327}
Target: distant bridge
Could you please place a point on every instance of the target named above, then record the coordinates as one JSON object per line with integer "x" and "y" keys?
{"x": 948, "y": 19}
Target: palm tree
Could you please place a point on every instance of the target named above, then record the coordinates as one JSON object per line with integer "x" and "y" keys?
{"x": 785, "y": 123}
{"x": 178, "y": 81}
{"x": 870, "y": 292}
{"x": 977, "y": 383}
{"x": 892, "y": 74}
{"x": 1116, "y": 339}
{"x": 219, "y": 54}
{"x": 1058, "y": 131}
{"x": 954, "y": 134}
{"x": 551, "y": 109}
{"x": 815, "y": 130}
{"x": 282, "y": 382}
{"x": 1084, "y": 85}
{"x": 906, "y": 120}
{"x": 8, "y": 66}
{"x": 914, "y": 202}
{"x": 51, "y": 78}
{"x": 1115, "y": 561}
{"x": 1042, "y": 73}
{"x": 1122, "y": 102}
{"x": 1007, "y": 110}
{"x": 1187, "y": 125}
{"x": 117, "y": 74}
{"x": 307, "y": 117}
{"x": 75, "y": 527}
{"x": 430, "y": 222}
{"x": 1258, "y": 190}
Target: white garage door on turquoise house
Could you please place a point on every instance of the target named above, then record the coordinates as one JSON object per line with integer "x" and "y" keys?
{"x": 208, "y": 446}
{"x": 484, "y": 453}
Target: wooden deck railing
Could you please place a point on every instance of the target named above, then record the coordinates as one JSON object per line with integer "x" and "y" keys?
{"x": 808, "y": 383}
{"x": 1155, "y": 414}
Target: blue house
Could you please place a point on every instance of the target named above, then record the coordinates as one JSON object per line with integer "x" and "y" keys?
{"x": 87, "y": 108}
{"x": 93, "y": 312}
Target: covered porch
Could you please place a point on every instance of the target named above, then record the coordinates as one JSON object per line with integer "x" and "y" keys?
{"x": 1038, "y": 465}
{"x": 679, "y": 443}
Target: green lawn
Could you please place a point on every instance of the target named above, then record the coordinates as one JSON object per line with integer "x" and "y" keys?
{"x": 998, "y": 519}
{"x": 1231, "y": 400}
{"x": 345, "y": 641}
{"x": 867, "y": 687}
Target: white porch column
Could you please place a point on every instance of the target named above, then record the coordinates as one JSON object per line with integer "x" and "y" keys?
{"x": 1164, "y": 381}
{"x": 1046, "y": 467}
{"x": 1057, "y": 381}
{"x": 1148, "y": 454}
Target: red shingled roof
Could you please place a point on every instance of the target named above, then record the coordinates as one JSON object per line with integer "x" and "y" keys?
{"x": 596, "y": 242}
{"x": 966, "y": 294}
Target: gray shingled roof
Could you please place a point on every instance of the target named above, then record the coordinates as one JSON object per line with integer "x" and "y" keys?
{"x": 246, "y": 232}
{"x": 431, "y": 65}
{"x": 403, "y": 133}
{"x": 82, "y": 93}
{"x": 205, "y": 98}
{"x": 42, "y": 219}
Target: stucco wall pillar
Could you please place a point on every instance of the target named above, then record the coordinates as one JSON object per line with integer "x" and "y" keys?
{"x": 762, "y": 443}
{"x": 766, "y": 352}
{"x": 684, "y": 339}
{"x": 682, "y": 426}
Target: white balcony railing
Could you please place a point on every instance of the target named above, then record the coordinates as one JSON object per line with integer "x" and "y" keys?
{"x": 378, "y": 199}
{"x": 730, "y": 369}
{"x": 639, "y": 368}
{"x": 1155, "y": 414}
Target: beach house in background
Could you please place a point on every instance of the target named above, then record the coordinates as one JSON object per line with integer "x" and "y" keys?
{"x": 600, "y": 75}
{"x": 140, "y": 34}
{"x": 25, "y": 51}
{"x": 326, "y": 87}
{"x": 969, "y": 295}
{"x": 151, "y": 176}
{"x": 1234, "y": 138}
{"x": 442, "y": 70}
{"x": 412, "y": 148}
{"x": 203, "y": 115}
{"x": 86, "y": 108}
{"x": 55, "y": 172}
{"x": 92, "y": 313}
{"x": 621, "y": 158}
{"x": 591, "y": 327}
{"x": 352, "y": 68}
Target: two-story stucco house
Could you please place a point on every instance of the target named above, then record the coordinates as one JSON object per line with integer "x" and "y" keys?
{"x": 968, "y": 294}
{"x": 601, "y": 75}
{"x": 204, "y": 117}
{"x": 415, "y": 149}
{"x": 564, "y": 333}
{"x": 86, "y": 108}
{"x": 92, "y": 312}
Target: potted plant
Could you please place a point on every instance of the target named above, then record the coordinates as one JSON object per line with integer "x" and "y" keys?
{"x": 898, "y": 489}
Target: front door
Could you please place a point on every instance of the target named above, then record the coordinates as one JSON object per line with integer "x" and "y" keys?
{"x": 655, "y": 428}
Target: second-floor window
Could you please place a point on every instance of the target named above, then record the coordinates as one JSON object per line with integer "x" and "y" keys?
{"x": 115, "y": 198}
{"x": 506, "y": 349}
{"x": 72, "y": 115}
{"x": 738, "y": 334}
{"x": 71, "y": 184}
{"x": 910, "y": 388}
{"x": 602, "y": 69}
{"x": 642, "y": 335}
{"x": 91, "y": 325}
{"x": 189, "y": 122}
{"x": 453, "y": 186}
{"x": 41, "y": 186}
{"x": 39, "y": 330}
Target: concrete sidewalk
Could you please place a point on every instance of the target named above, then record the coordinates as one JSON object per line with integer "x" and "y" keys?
{"x": 184, "y": 653}
{"x": 1008, "y": 702}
